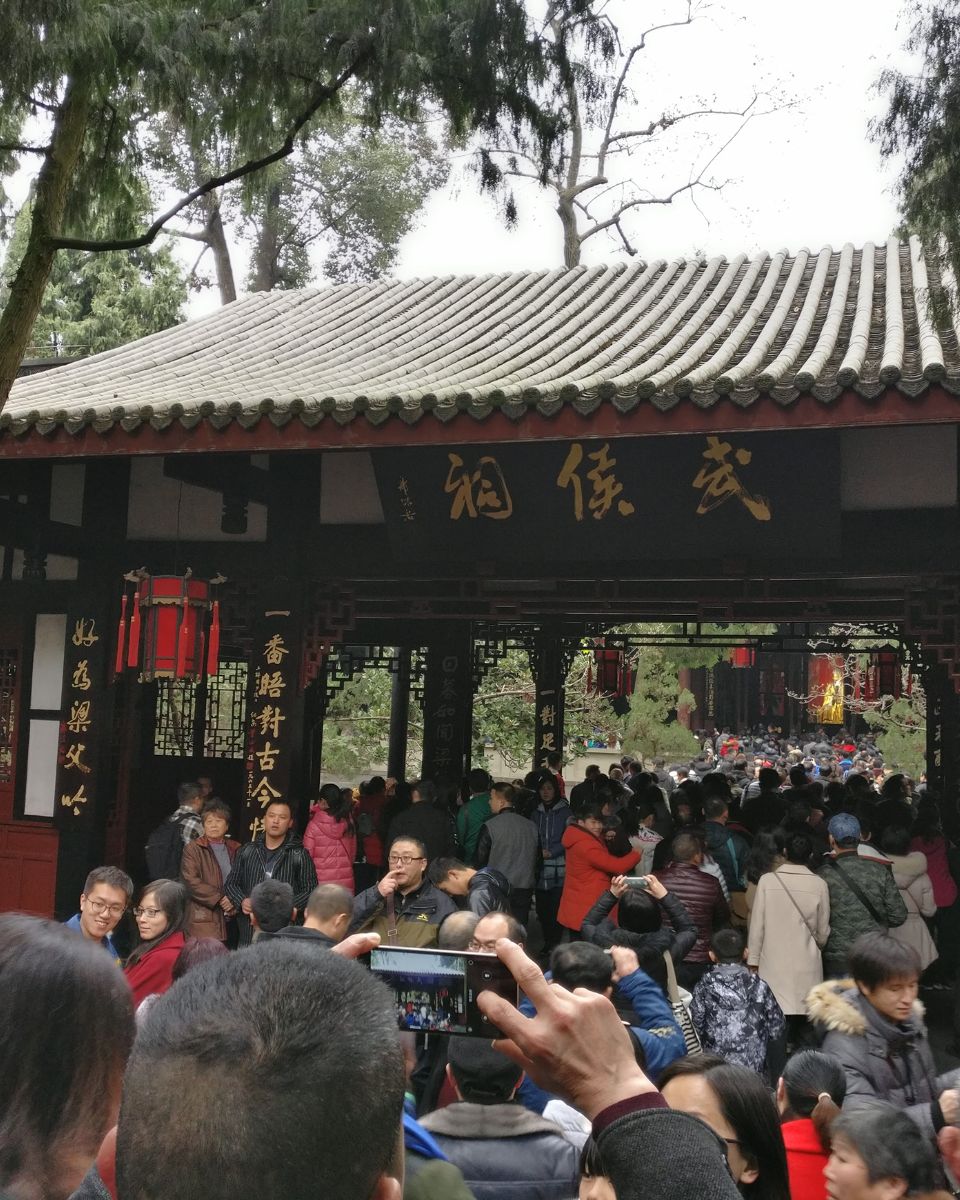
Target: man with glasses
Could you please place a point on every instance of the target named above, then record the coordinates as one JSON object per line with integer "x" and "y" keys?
{"x": 403, "y": 908}
{"x": 104, "y": 900}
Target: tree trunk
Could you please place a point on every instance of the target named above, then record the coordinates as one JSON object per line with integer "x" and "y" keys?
{"x": 265, "y": 274}
{"x": 217, "y": 241}
{"x": 49, "y": 205}
{"x": 571, "y": 234}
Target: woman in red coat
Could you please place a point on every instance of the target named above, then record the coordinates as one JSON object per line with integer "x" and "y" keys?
{"x": 589, "y": 867}
{"x": 161, "y": 917}
{"x": 329, "y": 838}
{"x": 809, "y": 1096}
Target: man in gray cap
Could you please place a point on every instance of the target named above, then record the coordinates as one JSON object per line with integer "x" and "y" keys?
{"x": 863, "y": 894}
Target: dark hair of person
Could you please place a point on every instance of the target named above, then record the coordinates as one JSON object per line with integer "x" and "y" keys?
{"x": 715, "y": 806}
{"x": 375, "y": 785}
{"x": 876, "y": 958}
{"x": 591, "y": 1164}
{"x": 217, "y": 806}
{"x": 506, "y": 790}
{"x": 272, "y": 904}
{"x": 685, "y": 847}
{"x": 809, "y": 1075}
{"x": 66, "y": 1028}
{"x": 644, "y": 807}
{"x": 716, "y": 786}
{"x": 187, "y": 792}
{"x": 426, "y": 789}
{"x": 196, "y": 951}
{"x": 836, "y": 796}
{"x": 895, "y": 840}
{"x": 581, "y": 964}
{"x": 404, "y": 837}
{"x": 279, "y": 804}
{"x": 338, "y": 805}
{"x": 798, "y": 776}
{"x": 891, "y": 1146}
{"x": 246, "y": 1027}
{"x": 748, "y": 1108}
{"x": 112, "y": 877}
{"x": 478, "y": 781}
{"x": 769, "y": 779}
{"x": 554, "y": 759}
{"x": 866, "y": 814}
{"x": 329, "y": 900}
{"x": 482, "y": 1075}
{"x": 798, "y": 847}
{"x": 593, "y": 810}
{"x": 639, "y": 912}
{"x": 547, "y": 781}
{"x": 728, "y": 945}
{"x": 440, "y": 869}
{"x": 171, "y": 896}
{"x": 766, "y": 848}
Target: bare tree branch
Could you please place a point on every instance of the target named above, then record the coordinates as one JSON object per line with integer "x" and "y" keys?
{"x": 195, "y": 235}
{"x": 21, "y": 148}
{"x": 248, "y": 168}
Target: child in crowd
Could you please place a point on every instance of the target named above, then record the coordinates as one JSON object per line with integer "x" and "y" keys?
{"x": 734, "y": 1011}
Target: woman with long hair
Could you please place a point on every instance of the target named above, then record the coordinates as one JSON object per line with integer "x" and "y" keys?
{"x": 330, "y": 838}
{"x": 161, "y": 916}
{"x": 809, "y": 1096}
{"x": 66, "y": 1028}
{"x": 737, "y": 1106}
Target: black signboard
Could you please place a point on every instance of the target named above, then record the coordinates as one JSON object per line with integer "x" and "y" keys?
{"x": 687, "y": 496}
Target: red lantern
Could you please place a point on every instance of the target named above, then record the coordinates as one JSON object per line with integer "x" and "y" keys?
{"x": 172, "y": 610}
{"x": 742, "y": 656}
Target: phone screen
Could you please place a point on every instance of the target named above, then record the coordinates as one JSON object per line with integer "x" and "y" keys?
{"x": 436, "y": 991}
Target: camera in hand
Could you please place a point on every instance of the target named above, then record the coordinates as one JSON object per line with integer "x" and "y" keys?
{"x": 436, "y": 991}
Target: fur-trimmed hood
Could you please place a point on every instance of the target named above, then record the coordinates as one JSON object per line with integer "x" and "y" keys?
{"x": 837, "y": 1006}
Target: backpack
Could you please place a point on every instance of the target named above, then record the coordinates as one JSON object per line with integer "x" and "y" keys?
{"x": 164, "y": 849}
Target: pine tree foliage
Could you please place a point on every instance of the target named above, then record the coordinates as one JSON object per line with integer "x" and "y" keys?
{"x": 922, "y": 127}
{"x": 80, "y": 78}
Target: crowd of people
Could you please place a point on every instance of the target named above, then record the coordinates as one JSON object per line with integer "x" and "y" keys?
{"x": 718, "y": 964}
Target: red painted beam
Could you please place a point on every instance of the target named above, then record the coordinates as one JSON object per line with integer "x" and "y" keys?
{"x": 848, "y": 410}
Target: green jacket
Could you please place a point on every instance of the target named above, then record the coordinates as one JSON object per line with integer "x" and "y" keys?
{"x": 470, "y": 820}
{"x": 849, "y": 917}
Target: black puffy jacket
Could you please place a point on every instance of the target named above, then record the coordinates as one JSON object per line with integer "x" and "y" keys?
{"x": 489, "y": 892}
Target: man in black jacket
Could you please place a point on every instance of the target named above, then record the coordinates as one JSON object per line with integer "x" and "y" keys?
{"x": 326, "y": 920}
{"x": 510, "y": 843}
{"x": 274, "y": 854}
{"x": 486, "y": 890}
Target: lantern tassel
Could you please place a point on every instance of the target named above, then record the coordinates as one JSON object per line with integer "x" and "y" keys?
{"x": 181, "y": 669}
{"x": 213, "y": 646}
{"x": 133, "y": 650}
{"x": 121, "y": 635}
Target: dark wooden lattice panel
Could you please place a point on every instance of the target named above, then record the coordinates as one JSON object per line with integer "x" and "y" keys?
{"x": 225, "y": 727}
{"x": 174, "y": 717}
{"x": 330, "y": 615}
{"x": 933, "y": 621}
{"x": 9, "y": 665}
{"x": 238, "y": 603}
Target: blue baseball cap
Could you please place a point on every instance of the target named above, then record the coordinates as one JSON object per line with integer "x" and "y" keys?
{"x": 844, "y": 826}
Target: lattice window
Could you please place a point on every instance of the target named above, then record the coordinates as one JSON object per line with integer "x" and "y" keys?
{"x": 225, "y": 735}
{"x": 8, "y": 713}
{"x": 175, "y": 716}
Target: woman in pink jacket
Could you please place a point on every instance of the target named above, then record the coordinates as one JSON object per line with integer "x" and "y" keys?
{"x": 330, "y": 838}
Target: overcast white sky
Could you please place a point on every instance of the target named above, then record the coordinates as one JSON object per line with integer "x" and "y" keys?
{"x": 801, "y": 177}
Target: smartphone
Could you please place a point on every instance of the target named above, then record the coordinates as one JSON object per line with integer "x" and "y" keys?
{"x": 636, "y": 881}
{"x": 436, "y": 991}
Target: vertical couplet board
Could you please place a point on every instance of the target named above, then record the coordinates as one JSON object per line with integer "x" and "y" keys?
{"x": 275, "y": 718}
{"x": 79, "y": 805}
{"x": 448, "y": 707}
{"x": 550, "y": 697}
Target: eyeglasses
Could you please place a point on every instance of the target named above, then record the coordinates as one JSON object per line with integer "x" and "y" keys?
{"x": 483, "y": 947}
{"x": 101, "y": 906}
{"x": 404, "y": 860}
{"x": 150, "y": 913}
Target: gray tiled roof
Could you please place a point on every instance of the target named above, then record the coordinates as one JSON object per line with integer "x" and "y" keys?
{"x": 663, "y": 334}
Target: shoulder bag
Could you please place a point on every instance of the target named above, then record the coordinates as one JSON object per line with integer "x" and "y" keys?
{"x": 691, "y": 1039}
{"x": 796, "y": 906}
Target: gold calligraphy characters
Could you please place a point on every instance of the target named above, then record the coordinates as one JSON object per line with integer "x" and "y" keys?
{"x": 718, "y": 480}
{"x": 482, "y": 492}
{"x": 604, "y": 486}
